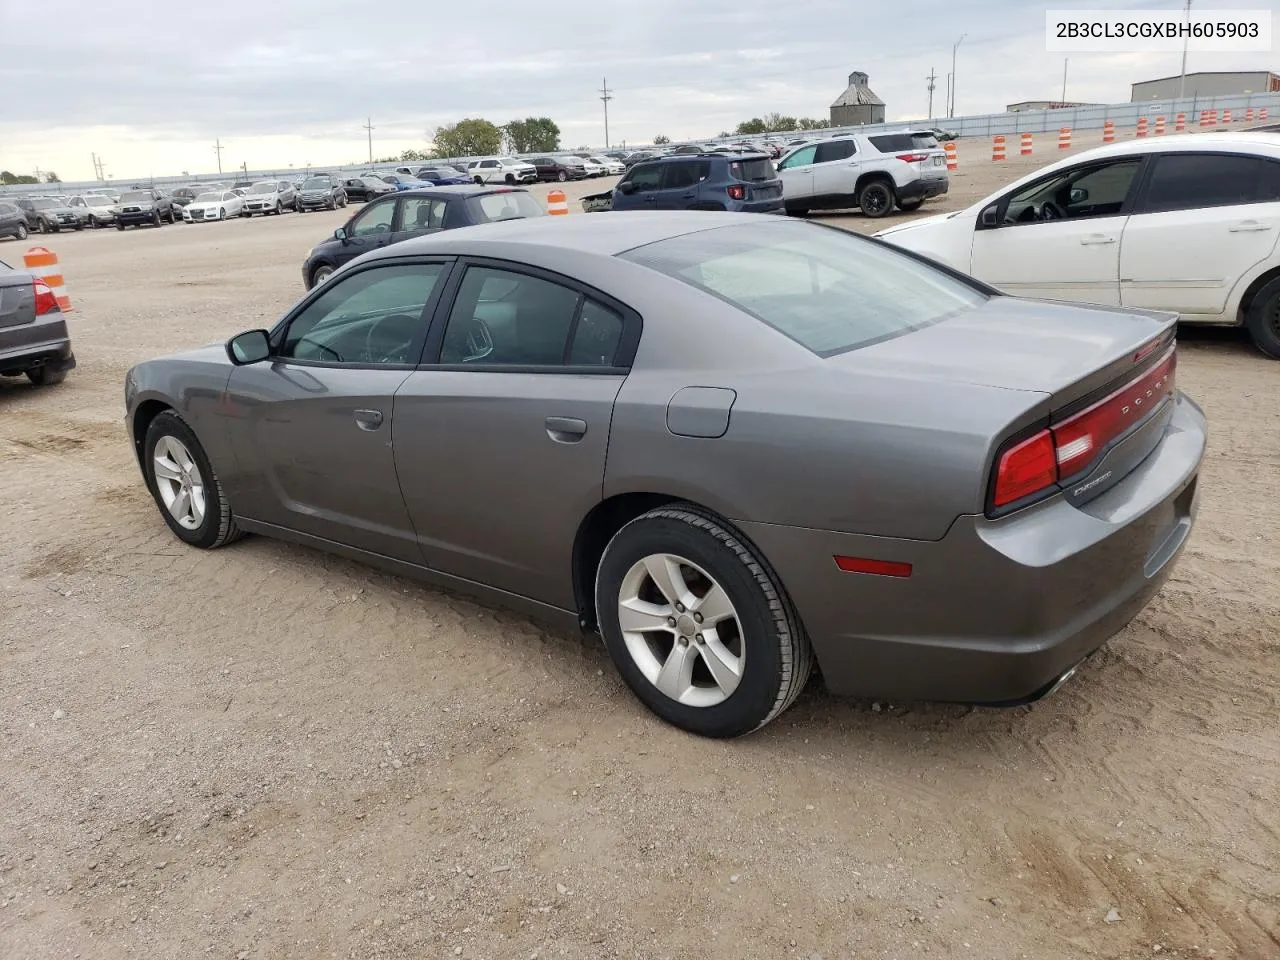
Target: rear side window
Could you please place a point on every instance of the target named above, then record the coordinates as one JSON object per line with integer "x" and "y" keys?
{"x": 677, "y": 176}
{"x": 903, "y": 142}
{"x": 835, "y": 150}
{"x": 1194, "y": 180}
{"x": 828, "y": 290}
{"x": 510, "y": 205}
{"x": 752, "y": 170}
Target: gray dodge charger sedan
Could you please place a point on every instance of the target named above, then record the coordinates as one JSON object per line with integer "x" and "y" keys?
{"x": 730, "y": 444}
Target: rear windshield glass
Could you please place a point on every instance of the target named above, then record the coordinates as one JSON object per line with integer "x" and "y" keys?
{"x": 828, "y": 290}
{"x": 136, "y": 196}
{"x": 509, "y": 205}
{"x": 891, "y": 142}
{"x": 756, "y": 169}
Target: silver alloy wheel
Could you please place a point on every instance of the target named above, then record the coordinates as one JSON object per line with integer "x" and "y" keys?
{"x": 681, "y": 630}
{"x": 179, "y": 482}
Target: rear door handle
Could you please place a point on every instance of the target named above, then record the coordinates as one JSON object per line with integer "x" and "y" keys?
{"x": 1095, "y": 238}
{"x": 368, "y": 419}
{"x": 688, "y": 196}
{"x": 1249, "y": 226}
{"x": 566, "y": 429}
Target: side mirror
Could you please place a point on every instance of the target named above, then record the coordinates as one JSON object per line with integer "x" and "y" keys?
{"x": 1078, "y": 195}
{"x": 340, "y": 234}
{"x": 987, "y": 219}
{"x": 252, "y": 346}
{"x": 627, "y": 186}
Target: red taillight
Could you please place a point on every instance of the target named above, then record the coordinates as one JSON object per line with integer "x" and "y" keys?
{"x": 913, "y": 157}
{"x": 1067, "y": 448}
{"x": 885, "y": 568}
{"x": 737, "y": 192}
{"x": 46, "y": 302}
{"x": 1025, "y": 468}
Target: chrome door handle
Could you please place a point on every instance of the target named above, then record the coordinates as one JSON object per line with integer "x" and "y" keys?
{"x": 1096, "y": 239}
{"x": 1249, "y": 226}
{"x": 566, "y": 429}
{"x": 368, "y": 419}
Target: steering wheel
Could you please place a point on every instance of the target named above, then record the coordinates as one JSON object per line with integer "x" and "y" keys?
{"x": 1051, "y": 211}
{"x": 334, "y": 355}
{"x": 398, "y": 354}
{"x": 479, "y": 341}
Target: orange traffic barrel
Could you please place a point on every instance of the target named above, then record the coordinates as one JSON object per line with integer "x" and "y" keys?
{"x": 43, "y": 263}
{"x": 953, "y": 162}
{"x": 1025, "y": 149}
{"x": 1180, "y": 123}
{"x": 557, "y": 204}
{"x": 1159, "y": 131}
{"x": 1109, "y": 132}
{"x": 1064, "y": 138}
{"x": 997, "y": 147}
{"x": 1142, "y": 126}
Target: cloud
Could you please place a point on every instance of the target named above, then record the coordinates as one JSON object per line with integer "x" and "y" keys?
{"x": 287, "y": 81}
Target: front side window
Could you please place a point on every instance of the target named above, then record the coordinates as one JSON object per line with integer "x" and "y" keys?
{"x": 1189, "y": 181}
{"x": 1097, "y": 190}
{"x": 514, "y": 319}
{"x": 828, "y": 290}
{"x": 374, "y": 220}
{"x": 801, "y": 158}
{"x": 646, "y": 177}
{"x": 369, "y": 318}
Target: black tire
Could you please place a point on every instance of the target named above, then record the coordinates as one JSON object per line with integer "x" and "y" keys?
{"x": 79, "y": 226}
{"x": 172, "y": 219}
{"x": 511, "y": 179}
{"x": 778, "y": 657}
{"x": 332, "y": 204}
{"x": 479, "y": 181}
{"x": 320, "y": 274}
{"x": 54, "y": 228}
{"x": 562, "y": 176}
{"x": 1263, "y": 319}
{"x": 22, "y": 231}
{"x": 156, "y": 219}
{"x": 39, "y": 225}
{"x": 120, "y": 227}
{"x": 46, "y": 376}
{"x": 219, "y": 526}
{"x": 93, "y": 222}
{"x": 793, "y": 211}
{"x": 279, "y": 208}
{"x": 876, "y": 198}
{"x": 908, "y": 205}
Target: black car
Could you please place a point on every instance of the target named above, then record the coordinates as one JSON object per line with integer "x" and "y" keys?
{"x": 367, "y": 187}
{"x": 33, "y": 329}
{"x": 559, "y": 168}
{"x": 13, "y": 221}
{"x": 412, "y": 213}
{"x": 322, "y": 192}
{"x": 184, "y": 195}
{"x": 47, "y": 215}
{"x": 144, "y": 205}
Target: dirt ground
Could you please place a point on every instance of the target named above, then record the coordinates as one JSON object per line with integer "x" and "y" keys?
{"x": 266, "y": 752}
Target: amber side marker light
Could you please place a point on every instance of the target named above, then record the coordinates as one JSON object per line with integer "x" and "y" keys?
{"x": 884, "y": 568}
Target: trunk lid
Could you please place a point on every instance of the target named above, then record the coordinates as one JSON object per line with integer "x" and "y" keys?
{"x": 17, "y": 298}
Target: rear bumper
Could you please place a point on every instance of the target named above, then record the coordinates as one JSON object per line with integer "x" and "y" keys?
{"x": 924, "y": 189}
{"x": 995, "y": 611}
{"x": 146, "y": 216}
{"x": 52, "y": 353}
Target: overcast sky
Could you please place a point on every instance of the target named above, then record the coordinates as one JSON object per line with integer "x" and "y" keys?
{"x": 150, "y": 85}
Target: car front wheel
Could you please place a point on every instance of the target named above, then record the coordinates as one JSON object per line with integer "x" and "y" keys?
{"x": 479, "y": 180}
{"x": 185, "y": 486}
{"x": 320, "y": 274}
{"x": 875, "y": 199}
{"x": 698, "y": 625}
{"x": 1263, "y": 320}
{"x": 22, "y": 231}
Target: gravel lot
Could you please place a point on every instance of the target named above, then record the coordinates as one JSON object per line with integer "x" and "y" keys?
{"x": 265, "y": 752}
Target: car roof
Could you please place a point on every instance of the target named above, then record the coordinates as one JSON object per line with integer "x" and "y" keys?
{"x": 458, "y": 190}
{"x": 735, "y": 155}
{"x": 1240, "y": 141}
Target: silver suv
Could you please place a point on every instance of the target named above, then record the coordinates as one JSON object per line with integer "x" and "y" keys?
{"x": 873, "y": 173}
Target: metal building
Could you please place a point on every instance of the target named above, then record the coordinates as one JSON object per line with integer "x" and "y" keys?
{"x": 857, "y": 104}
{"x": 1216, "y": 84}
{"x": 1023, "y": 106}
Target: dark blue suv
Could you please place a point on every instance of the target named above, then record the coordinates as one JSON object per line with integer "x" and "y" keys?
{"x": 742, "y": 183}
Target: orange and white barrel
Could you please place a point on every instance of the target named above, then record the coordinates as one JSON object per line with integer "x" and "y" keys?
{"x": 1064, "y": 138}
{"x": 1226, "y": 115}
{"x": 1109, "y": 132}
{"x": 1159, "y": 131}
{"x": 1180, "y": 123}
{"x": 1026, "y": 147}
{"x": 1213, "y": 118}
{"x": 997, "y": 147}
{"x": 557, "y": 204}
{"x": 953, "y": 162}
{"x": 43, "y": 263}
{"x": 1262, "y": 114}
{"x": 1248, "y": 115}
{"x": 1142, "y": 126}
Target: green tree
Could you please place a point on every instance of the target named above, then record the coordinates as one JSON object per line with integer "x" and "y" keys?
{"x": 808, "y": 123}
{"x": 51, "y": 177}
{"x": 411, "y": 154}
{"x": 8, "y": 178}
{"x": 752, "y": 127}
{"x": 472, "y": 137}
{"x": 532, "y": 135}
{"x": 776, "y": 122}
{"x": 661, "y": 140}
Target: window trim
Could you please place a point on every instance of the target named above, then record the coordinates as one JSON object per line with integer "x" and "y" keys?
{"x": 832, "y": 142}
{"x": 276, "y": 334}
{"x": 1140, "y": 204}
{"x": 1127, "y": 208}
{"x": 628, "y": 343}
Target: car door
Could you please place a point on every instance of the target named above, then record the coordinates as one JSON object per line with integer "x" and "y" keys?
{"x": 834, "y": 168}
{"x": 680, "y": 180}
{"x": 796, "y": 173}
{"x": 1058, "y": 238}
{"x": 420, "y": 216}
{"x": 645, "y": 181}
{"x": 487, "y": 169}
{"x": 501, "y": 438}
{"x": 1204, "y": 220}
{"x": 312, "y": 427}
{"x": 372, "y": 228}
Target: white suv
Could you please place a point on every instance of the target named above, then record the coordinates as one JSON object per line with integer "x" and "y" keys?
{"x": 873, "y": 173}
{"x": 1187, "y": 224}
{"x": 502, "y": 170}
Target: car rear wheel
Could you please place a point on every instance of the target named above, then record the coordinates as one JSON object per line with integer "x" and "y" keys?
{"x": 479, "y": 180}
{"x": 698, "y": 625}
{"x": 875, "y": 199}
{"x": 22, "y": 231}
{"x": 185, "y": 486}
{"x": 1263, "y": 320}
{"x": 46, "y": 376}
{"x": 793, "y": 211}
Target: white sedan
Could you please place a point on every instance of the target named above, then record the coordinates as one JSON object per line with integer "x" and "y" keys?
{"x": 1187, "y": 224}
{"x": 612, "y": 167}
{"x": 216, "y": 205}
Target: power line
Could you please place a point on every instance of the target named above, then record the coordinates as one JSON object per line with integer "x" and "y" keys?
{"x": 931, "y": 78}
{"x": 217, "y": 148}
{"x": 605, "y": 97}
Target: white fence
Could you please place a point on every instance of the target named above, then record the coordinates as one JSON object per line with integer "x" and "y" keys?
{"x": 984, "y": 125}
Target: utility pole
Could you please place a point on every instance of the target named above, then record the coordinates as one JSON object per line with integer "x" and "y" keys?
{"x": 605, "y": 97}
{"x": 951, "y": 111}
{"x": 217, "y": 148}
{"x": 1182, "y": 80}
{"x": 1064, "y": 80}
{"x": 368, "y": 126}
{"x": 932, "y": 77}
